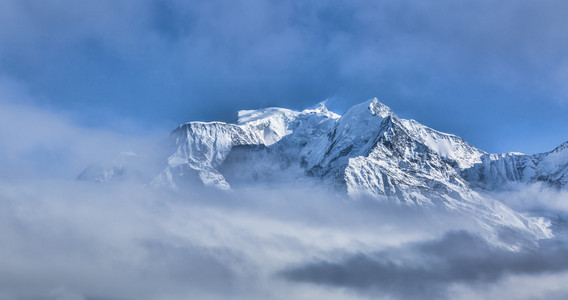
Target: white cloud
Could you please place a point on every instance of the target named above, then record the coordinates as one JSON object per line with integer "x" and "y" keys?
{"x": 36, "y": 142}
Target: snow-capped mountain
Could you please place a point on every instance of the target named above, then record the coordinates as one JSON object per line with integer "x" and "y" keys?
{"x": 367, "y": 152}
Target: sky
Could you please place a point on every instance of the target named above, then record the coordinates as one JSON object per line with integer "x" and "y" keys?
{"x": 82, "y": 81}
{"x": 491, "y": 72}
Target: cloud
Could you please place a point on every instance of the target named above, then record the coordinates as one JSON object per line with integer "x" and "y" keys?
{"x": 546, "y": 286}
{"x": 535, "y": 196}
{"x": 100, "y": 247}
{"x": 38, "y": 142}
{"x": 123, "y": 241}
{"x": 164, "y": 62}
{"x": 428, "y": 269}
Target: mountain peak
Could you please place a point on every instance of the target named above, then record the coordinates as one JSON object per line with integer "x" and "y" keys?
{"x": 358, "y": 114}
{"x": 379, "y": 109}
{"x": 561, "y": 147}
{"x": 322, "y": 109}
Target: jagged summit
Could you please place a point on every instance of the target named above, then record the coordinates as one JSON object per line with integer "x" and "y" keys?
{"x": 561, "y": 147}
{"x": 379, "y": 109}
{"x": 322, "y": 109}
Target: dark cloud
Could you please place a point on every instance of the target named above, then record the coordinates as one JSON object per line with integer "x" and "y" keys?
{"x": 428, "y": 269}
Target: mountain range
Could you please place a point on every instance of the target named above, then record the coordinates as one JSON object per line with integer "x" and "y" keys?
{"x": 367, "y": 152}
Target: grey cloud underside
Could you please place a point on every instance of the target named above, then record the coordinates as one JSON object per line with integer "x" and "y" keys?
{"x": 428, "y": 269}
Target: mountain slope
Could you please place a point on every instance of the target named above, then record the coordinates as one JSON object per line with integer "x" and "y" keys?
{"x": 503, "y": 171}
{"x": 367, "y": 152}
{"x": 203, "y": 147}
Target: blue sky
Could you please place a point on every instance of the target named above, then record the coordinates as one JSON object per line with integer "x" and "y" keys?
{"x": 492, "y": 72}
